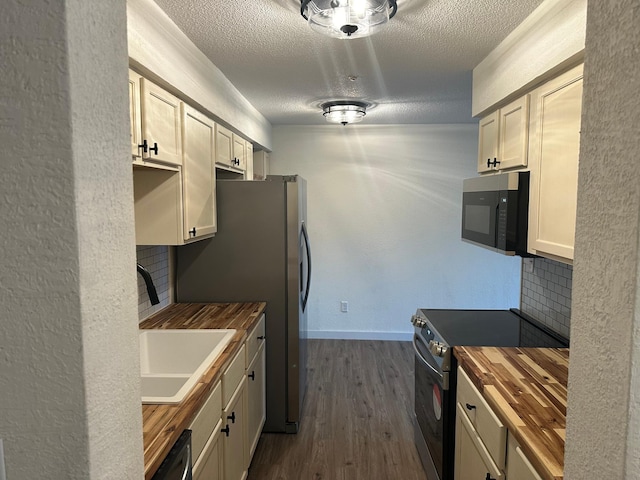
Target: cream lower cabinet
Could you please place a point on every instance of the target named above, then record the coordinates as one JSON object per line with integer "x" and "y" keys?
{"x": 234, "y": 419}
{"x": 206, "y": 447}
{"x": 518, "y": 466}
{"x": 554, "y": 149}
{"x": 484, "y": 448}
{"x": 256, "y": 385}
{"x": 481, "y": 438}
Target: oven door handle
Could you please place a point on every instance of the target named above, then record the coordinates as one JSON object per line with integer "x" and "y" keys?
{"x": 424, "y": 360}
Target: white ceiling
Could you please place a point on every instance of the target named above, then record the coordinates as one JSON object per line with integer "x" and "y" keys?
{"x": 416, "y": 70}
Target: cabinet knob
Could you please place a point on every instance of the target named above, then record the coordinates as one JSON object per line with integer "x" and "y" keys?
{"x": 252, "y": 375}
{"x": 193, "y": 231}
{"x": 225, "y": 430}
{"x": 154, "y": 149}
{"x": 144, "y": 146}
{"x": 232, "y": 417}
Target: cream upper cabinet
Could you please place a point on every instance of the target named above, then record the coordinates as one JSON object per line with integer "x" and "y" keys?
{"x": 239, "y": 152}
{"x": 260, "y": 165}
{"x": 554, "y": 149}
{"x": 232, "y": 151}
{"x": 503, "y": 137}
{"x": 161, "y": 124}
{"x": 199, "y": 174}
{"x": 135, "y": 117}
{"x": 176, "y": 205}
{"x": 488, "y": 142}
{"x": 249, "y": 161}
{"x": 224, "y": 146}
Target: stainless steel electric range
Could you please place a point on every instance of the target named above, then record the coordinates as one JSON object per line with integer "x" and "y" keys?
{"x": 436, "y": 333}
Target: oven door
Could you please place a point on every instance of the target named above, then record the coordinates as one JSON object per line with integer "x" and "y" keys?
{"x": 479, "y": 217}
{"x": 430, "y": 409}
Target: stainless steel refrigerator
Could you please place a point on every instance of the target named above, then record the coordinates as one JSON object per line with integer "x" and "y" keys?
{"x": 260, "y": 253}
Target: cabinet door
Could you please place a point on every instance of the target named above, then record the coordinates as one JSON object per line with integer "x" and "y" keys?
{"x": 554, "y": 149}
{"x": 249, "y": 161}
{"x": 239, "y": 152}
{"x": 488, "y": 142}
{"x": 256, "y": 400}
{"x": 513, "y": 134}
{"x": 518, "y": 466}
{"x": 234, "y": 442}
{"x": 209, "y": 465}
{"x": 198, "y": 173}
{"x": 134, "y": 112}
{"x": 161, "y": 124}
{"x": 224, "y": 146}
{"x": 472, "y": 460}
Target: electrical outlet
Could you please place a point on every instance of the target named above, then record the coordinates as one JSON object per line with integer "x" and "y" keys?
{"x": 344, "y": 306}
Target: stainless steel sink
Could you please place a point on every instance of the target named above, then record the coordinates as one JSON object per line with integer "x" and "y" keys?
{"x": 173, "y": 361}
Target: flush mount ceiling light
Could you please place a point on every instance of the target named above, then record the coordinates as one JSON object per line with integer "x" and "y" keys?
{"x": 344, "y": 111}
{"x": 347, "y": 18}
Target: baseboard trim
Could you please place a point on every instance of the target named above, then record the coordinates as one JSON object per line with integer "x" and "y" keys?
{"x": 356, "y": 335}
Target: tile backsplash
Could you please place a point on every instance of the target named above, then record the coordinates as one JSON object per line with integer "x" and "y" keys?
{"x": 156, "y": 260}
{"x": 546, "y": 293}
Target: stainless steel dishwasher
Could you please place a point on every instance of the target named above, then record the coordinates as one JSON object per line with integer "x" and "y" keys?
{"x": 177, "y": 464}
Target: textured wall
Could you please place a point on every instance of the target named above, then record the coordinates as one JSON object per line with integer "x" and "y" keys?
{"x": 553, "y": 33}
{"x": 546, "y": 293}
{"x": 384, "y": 205}
{"x": 69, "y": 385}
{"x": 603, "y": 421}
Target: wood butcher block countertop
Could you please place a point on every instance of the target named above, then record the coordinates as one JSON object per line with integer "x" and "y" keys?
{"x": 163, "y": 424}
{"x": 527, "y": 389}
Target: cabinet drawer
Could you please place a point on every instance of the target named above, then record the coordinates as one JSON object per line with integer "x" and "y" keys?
{"x": 255, "y": 339}
{"x": 488, "y": 426}
{"x": 202, "y": 426}
{"x": 472, "y": 458}
{"x": 233, "y": 376}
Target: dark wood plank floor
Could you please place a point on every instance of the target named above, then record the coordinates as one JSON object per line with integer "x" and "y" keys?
{"x": 356, "y": 420}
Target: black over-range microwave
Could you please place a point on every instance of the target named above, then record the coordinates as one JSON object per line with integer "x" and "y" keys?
{"x": 495, "y": 212}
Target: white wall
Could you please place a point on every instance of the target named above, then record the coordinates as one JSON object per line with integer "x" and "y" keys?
{"x": 603, "y": 417}
{"x": 384, "y": 208}
{"x": 69, "y": 366}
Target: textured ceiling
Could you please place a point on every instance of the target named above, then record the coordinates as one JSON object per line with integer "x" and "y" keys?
{"x": 416, "y": 70}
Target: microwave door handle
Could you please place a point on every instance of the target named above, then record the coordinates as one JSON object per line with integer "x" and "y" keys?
{"x": 423, "y": 360}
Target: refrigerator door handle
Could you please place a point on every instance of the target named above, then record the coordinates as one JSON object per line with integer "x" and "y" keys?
{"x": 308, "y": 251}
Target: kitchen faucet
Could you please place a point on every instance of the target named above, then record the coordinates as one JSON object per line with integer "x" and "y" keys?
{"x": 151, "y": 289}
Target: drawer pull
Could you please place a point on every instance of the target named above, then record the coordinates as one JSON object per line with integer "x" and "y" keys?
{"x": 470, "y": 407}
{"x": 252, "y": 375}
{"x": 232, "y": 417}
{"x": 225, "y": 430}
{"x": 261, "y": 337}
{"x": 489, "y": 477}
